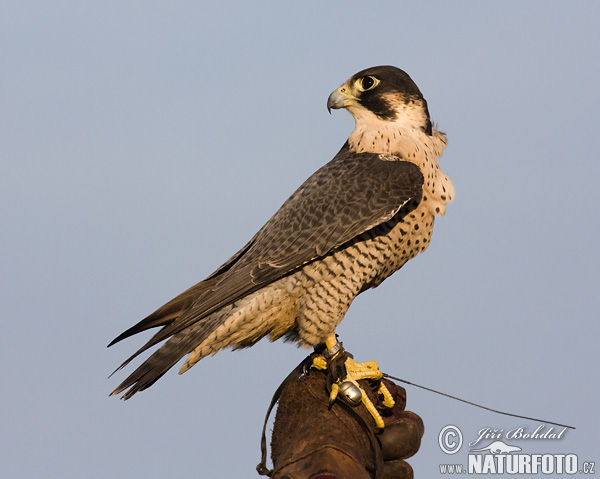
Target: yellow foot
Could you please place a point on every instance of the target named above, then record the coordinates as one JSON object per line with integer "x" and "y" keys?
{"x": 354, "y": 373}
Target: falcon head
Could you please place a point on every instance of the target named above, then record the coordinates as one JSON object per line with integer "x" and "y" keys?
{"x": 383, "y": 94}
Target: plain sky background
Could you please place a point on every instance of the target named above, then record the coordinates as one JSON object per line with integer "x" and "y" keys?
{"x": 143, "y": 143}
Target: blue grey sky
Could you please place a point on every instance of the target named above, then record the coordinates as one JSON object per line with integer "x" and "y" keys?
{"x": 143, "y": 143}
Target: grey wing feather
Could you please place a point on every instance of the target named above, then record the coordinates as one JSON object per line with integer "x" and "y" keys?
{"x": 348, "y": 196}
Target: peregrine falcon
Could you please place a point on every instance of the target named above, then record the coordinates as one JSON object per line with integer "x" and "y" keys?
{"x": 348, "y": 227}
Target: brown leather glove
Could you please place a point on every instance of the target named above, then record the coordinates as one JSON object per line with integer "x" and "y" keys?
{"x": 312, "y": 441}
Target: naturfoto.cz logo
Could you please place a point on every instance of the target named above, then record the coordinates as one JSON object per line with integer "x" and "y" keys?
{"x": 497, "y": 452}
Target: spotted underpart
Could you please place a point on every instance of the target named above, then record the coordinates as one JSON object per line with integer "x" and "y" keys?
{"x": 347, "y": 228}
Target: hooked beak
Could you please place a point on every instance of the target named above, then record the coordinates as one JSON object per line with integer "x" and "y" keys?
{"x": 340, "y": 98}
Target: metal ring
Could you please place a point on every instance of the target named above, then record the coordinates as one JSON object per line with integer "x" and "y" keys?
{"x": 329, "y": 353}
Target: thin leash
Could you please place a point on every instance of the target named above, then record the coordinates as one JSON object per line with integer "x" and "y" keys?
{"x": 472, "y": 403}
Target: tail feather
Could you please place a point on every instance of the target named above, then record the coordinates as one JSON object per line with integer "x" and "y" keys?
{"x": 163, "y": 359}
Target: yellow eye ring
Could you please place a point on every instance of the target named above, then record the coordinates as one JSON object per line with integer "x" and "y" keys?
{"x": 367, "y": 83}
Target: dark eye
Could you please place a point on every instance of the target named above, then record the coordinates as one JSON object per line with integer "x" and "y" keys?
{"x": 367, "y": 83}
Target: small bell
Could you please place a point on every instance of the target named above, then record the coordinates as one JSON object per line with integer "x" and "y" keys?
{"x": 350, "y": 394}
